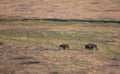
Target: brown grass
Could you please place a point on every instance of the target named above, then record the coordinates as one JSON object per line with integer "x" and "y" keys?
{"x": 31, "y": 46}
{"x": 65, "y": 9}
{"x": 30, "y": 61}
{"x": 31, "y": 55}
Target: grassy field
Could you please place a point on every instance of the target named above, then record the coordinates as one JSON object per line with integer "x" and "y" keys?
{"x": 65, "y": 9}
{"x": 32, "y": 47}
{"x": 32, "y": 30}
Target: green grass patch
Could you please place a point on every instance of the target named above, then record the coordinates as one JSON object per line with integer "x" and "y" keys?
{"x": 73, "y": 33}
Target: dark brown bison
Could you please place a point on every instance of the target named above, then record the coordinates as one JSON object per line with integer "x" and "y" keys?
{"x": 90, "y": 46}
{"x": 1, "y": 43}
{"x": 64, "y": 46}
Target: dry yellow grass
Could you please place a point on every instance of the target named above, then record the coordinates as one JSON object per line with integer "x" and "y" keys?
{"x": 65, "y": 9}
{"x": 32, "y": 48}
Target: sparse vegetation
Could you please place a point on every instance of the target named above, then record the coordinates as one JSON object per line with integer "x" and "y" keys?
{"x": 32, "y": 30}
{"x": 42, "y": 42}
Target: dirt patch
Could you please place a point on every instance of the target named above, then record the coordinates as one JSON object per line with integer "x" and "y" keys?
{"x": 115, "y": 59}
{"x": 30, "y": 62}
{"x": 22, "y": 58}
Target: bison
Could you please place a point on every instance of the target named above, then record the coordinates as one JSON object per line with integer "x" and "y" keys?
{"x": 64, "y": 46}
{"x": 91, "y": 46}
{"x": 1, "y": 43}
